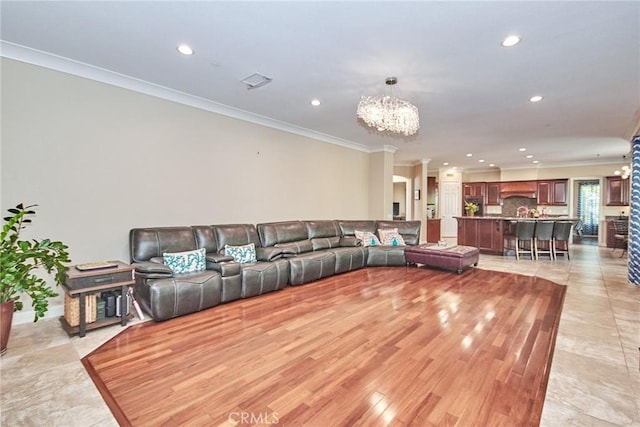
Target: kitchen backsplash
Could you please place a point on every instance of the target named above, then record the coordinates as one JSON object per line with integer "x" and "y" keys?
{"x": 510, "y": 205}
{"x": 493, "y": 210}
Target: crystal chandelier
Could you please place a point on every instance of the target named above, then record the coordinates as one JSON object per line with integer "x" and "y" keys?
{"x": 626, "y": 171}
{"x": 388, "y": 113}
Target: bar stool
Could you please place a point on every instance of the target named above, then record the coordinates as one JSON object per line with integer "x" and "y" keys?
{"x": 621, "y": 235}
{"x": 524, "y": 233}
{"x": 544, "y": 234}
{"x": 561, "y": 234}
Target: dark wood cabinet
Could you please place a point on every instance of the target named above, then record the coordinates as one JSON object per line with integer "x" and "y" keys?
{"x": 484, "y": 233}
{"x": 473, "y": 189}
{"x": 552, "y": 192}
{"x": 433, "y": 230}
{"x": 559, "y": 192}
{"x": 493, "y": 194}
{"x": 497, "y": 236}
{"x": 544, "y": 192}
{"x": 617, "y": 191}
{"x": 467, "y": 231}
{"x": 490, "y": 237}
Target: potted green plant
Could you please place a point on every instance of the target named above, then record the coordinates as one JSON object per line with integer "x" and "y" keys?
{"x": 19, "y": 260}
{"x": 470, "y": 207}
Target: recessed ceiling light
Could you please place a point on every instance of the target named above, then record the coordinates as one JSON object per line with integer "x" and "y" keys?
{"x": 491, "y": 164}
{"x": 445, "y": 164}
{"x": 315, "y": 102}
{"x": 535, "y": 161}
{"x": 511, "y": 40}
{"x": 522, "y": 149}
{"x": 536, "y": 98}
{"x": 480, "y": 161}
{"x": 469, "y": 154}
{"x": 185, "y": 49}
{"x": 529, "y": 156}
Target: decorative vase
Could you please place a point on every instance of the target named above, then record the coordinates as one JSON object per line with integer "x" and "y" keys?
{"x": 470, "y": 213}
{"x": 6, "y": 317}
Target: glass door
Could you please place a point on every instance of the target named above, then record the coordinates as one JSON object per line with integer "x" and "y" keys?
{"x": 588, "y": 208}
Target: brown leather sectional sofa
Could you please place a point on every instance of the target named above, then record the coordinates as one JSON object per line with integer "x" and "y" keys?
{"x": 287, "y": 253}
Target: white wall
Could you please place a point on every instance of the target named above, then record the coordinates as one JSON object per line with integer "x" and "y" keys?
{"x": 381, "y": 185}
{"x": 100, "y": 160}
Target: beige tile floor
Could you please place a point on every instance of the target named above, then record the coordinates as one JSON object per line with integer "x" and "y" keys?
{"x": 594, "y": 381}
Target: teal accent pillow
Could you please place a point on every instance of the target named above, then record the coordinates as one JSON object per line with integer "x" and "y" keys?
{"x": 243, "y": 254}
{"x": 186, "y": 262}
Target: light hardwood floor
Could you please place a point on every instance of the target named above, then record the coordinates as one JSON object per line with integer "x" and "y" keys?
{"x": 594, "y": 375}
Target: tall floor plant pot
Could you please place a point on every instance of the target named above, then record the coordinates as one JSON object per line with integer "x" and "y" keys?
{"x": 6, "y": 317}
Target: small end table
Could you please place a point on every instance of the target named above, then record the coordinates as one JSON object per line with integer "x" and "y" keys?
{"x": 80, "y": 283}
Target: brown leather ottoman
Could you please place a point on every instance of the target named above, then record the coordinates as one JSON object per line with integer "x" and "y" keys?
{"x": 449, "y": 258}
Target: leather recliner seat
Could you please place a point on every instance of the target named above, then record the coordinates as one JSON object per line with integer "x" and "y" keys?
{"x": 162, "y": 293}
{"x": 383, "y": 255}
{"x": 270, "y": 272}
{"x": 291, "y": 237}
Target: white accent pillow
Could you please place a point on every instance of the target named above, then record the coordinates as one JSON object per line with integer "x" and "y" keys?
{"x": 367, "y": 237}
{"x": 242, "y": 254}
{"x": 186, "y": 262}
{"x": 391, "y": 237}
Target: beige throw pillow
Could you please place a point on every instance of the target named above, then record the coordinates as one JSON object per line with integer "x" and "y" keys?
{"x": 367, "y": 237}
{"x": 390, "y": 237}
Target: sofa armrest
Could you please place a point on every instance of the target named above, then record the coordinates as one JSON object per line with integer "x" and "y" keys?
{"x": 225, "y": 268}
{"x": 350, "y": 241}
{"x": 218, "y": 258}
{"x": 152, "y": 270}
{"x": 268, "y": 254}
{"x": 223, "y": 264}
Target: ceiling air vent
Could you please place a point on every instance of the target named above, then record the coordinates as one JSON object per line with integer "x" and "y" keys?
{"x": 256, "y": 80}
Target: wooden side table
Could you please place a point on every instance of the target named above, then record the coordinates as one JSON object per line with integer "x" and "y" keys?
{"x": 79, "y": 284}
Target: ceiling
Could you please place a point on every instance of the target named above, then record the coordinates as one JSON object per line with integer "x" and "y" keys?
{"x": 472, "y": 93}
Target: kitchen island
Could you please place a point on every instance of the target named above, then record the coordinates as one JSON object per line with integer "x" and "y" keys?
{"x": 487, "y": 233}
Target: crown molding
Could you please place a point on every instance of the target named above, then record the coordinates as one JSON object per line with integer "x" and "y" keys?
{"x": 80, "y": 69}
{"x": 386, "y": 148}
{"x": 485, "y": 170}
{"x": 568, "y": 165}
